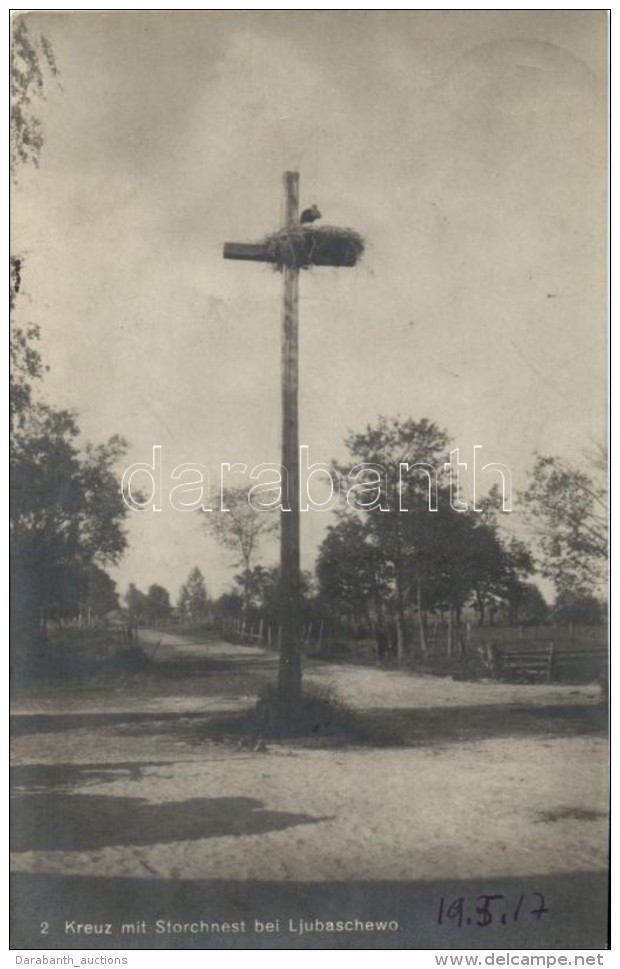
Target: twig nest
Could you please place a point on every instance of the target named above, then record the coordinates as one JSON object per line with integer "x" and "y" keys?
{"x": 309, "y": 245}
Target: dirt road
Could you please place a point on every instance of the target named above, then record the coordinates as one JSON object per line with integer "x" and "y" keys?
{"x": 486, "y": 785}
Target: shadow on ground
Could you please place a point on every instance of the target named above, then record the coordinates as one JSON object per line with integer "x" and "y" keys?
{"x": 158, "y": 913}
{"x": 125, "y": 722}
{"x": 337, "y": 725}
{"x": 41, "y": 778}
{"x": 135, "y": 665}
{"x": 82, "y": 822}
{"x": 237, "y": 666}
{"x": 468, "y": 724}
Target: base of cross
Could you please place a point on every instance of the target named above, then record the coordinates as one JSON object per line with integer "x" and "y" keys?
{"x": 312, "y": 713}
{"x": 289, "y": 690}
{"x": 280, "y": 708}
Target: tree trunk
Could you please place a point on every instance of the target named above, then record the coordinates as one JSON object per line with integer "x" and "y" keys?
{"x": 436, "y": 633}
{"x": 401, "y": 633}
{"x": 459, "y": 629}
{"x": 480, "y": 608}
{"x": 400, "y": 640}
{"x": 450, "y": 632}
{"x": 421, "y": 618}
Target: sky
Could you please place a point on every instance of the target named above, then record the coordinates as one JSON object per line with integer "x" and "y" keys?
{"x": 467, "y": 147}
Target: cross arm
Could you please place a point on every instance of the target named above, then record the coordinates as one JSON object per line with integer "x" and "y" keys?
{"x": 252, "y": 251}
{"x": 316, "y": 255}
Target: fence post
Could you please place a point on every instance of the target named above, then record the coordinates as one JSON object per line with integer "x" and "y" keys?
{"x": 450, "y": 649}
{"x": 550, "y": 663}
{"x": 492, "y": 659}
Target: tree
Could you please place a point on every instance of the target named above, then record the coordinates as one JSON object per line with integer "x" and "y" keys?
{"x": 411, "y": 549}
{"x": 463, "y": 560}
{"x": 351, "y": 570}
{"x": 256, "y": 587}
{"x": 32, "y": 57}
{"x": 227, "y": 605}
{"x": 135, "y": 601}
{"x": 567, "y": 510}
{"x": 157, "y": 603}
{"x": 527, "y": 605}
{"x": 401, "y": 535}
{"x": 26, "y": 365}
{"x": 585, "y": 610}
{"x": 100, "y": 595}
{"x": 26, "y": 141}
{"x": 193, "y": 599}
{"x": 240, "y": 529}
{"x": 261, "y": 591}
{"x": 354, "y": 576}
{"x": 67, "y": 513}
{"x": 494, "y": 569}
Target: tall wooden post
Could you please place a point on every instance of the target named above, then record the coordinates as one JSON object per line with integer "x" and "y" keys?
{"x": 289, "y": 681}
{"x": 289, "y": 628}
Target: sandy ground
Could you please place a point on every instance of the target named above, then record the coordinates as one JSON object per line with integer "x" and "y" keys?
{"x": 487, "y": 780}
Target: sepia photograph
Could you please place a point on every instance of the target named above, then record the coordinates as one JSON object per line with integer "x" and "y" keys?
{"x": 309, "y": 480}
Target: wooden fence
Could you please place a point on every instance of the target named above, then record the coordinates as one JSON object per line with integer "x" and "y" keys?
{"x": 259, "y": 632}
{"x": 559, "y": 659}
{"x": 519, "y": 653}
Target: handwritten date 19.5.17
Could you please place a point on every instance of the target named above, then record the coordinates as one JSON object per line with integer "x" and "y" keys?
{"x": 485, "y": 910}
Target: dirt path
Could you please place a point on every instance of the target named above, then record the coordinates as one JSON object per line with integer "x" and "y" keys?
{"x": 487, "y": 781}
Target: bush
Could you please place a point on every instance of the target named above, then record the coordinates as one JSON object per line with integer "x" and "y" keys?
{"x": 133, "y": 659}
{"x": 322, "y": 713}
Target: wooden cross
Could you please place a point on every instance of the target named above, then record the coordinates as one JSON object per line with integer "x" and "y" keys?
{"x": 289, "y": 680}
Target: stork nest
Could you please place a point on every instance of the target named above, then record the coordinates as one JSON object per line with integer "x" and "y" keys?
{"x": 308, "y": 245}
